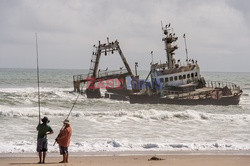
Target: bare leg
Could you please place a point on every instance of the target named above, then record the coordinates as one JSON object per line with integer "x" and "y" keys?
{"x": 44, "y": 155}
{"x": 40, "y": 157}
{"x": 67, "y": 157}
{"x": 64, "y": 159}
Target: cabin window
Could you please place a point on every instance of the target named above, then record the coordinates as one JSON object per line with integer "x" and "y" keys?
{"x": 188, "y": 75}
{"x": 192, "y": 75}
{"x": 166, "y": 79}
{"x": 175, "y": 78}
{"x": 196, "y": 74}
{"x": 171, "y": 78}
{"x": 161, "y": 79}
{"x": 184, "y": 76}
{"x": 180, "y": 77}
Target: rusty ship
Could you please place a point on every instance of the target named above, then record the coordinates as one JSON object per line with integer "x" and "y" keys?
{"x": 172, "y": 82}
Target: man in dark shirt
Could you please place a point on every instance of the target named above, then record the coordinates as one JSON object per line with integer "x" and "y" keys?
{"x": 42, "y": 144}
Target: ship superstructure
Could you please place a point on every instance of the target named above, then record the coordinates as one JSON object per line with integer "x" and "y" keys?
{"x": 172, "y": 82}
{"x": 174, "y": 75}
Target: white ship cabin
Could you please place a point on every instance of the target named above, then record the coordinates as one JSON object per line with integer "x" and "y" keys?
{"x": 171, "y": 74}
{"x": 179, "y": 76}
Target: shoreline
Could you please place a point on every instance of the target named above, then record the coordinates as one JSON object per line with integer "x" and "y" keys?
{"x": 145, "y": 159}
{"x": 134, "y": 153}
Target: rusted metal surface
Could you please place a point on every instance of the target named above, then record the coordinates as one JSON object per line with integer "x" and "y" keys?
{"x": 83, "y": 78}
{"x": 94, "y": 75}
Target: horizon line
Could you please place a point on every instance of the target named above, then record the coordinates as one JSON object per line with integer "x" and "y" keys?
{"x": 111, "y": 70}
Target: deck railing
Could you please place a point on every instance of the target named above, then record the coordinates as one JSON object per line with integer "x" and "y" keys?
{"x": 180, "y": 94}
{"x": 219, "y": 84}
{"x": 80, "y": 77}
{"x": 99, "y": 74}
{"x": 114, "y": 72}
{"x": 192, "y": 94}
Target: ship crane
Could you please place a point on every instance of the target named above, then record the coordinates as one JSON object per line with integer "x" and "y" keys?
{"x": 94, "y": 75}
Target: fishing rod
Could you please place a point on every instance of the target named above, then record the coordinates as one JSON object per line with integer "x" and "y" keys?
{"x": 67, "y": 117}
{"x": 38, "y": 86}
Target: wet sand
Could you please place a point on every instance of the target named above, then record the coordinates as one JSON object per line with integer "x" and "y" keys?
{"x": 175, "y": 159}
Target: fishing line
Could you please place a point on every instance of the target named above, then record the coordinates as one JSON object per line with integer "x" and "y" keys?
{"x": 68, "y": 116}
{"x": 72, "y": 106}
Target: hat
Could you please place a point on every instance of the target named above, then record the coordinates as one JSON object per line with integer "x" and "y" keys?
{"x": 45, "y": 120}
{"x": 66, "y": 121}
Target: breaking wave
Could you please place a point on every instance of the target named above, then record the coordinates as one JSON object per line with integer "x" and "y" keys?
{"x": 111, "y": 145}
{"x": 152, "y": 114}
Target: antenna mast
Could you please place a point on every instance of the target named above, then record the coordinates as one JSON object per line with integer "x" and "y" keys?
{"x": 170, "y": 46}
{"x": 152, "y": 56}
{"x": 184, "y": 36}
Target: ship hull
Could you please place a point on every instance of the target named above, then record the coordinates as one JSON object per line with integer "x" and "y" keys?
{"x": 154, "y": 99}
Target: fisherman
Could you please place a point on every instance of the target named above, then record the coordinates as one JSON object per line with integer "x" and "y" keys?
{"x": 63, "y": 140}
{"x": 42, "y": 143}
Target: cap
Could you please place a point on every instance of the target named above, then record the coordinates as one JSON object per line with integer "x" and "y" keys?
{"x": 45, "y": 120}
{"x": 66, "y": 121}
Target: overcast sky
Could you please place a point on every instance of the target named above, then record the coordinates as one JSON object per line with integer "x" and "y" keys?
{"x": 217, "y": 31}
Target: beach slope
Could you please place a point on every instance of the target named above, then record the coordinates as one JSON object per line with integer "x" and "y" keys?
{"x": 135, "y": 160}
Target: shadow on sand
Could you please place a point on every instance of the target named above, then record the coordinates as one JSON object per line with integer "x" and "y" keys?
{"x": 34, "y": 163}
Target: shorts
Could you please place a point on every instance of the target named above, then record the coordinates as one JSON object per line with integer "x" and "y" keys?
{"x": 42, "y": 145}
{"x": 63, "y": 150}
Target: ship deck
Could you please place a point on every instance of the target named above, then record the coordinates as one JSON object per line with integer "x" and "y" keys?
{"x": 204, "y": 92}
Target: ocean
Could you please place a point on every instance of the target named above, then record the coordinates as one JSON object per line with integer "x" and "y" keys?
{"x": 104, "y": 125}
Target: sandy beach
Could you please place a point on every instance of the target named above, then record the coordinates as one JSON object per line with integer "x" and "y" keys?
{"x": 218, "y": 159}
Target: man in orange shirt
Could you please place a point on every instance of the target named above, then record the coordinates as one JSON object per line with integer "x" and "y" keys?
{"x": 64, "y": 140}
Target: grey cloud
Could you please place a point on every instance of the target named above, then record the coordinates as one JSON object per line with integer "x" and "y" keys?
{"x": 68, "y": 29}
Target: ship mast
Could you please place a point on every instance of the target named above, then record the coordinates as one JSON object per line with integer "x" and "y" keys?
{"x": 170, "y": 46}
{"x": 184, "y": 36}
